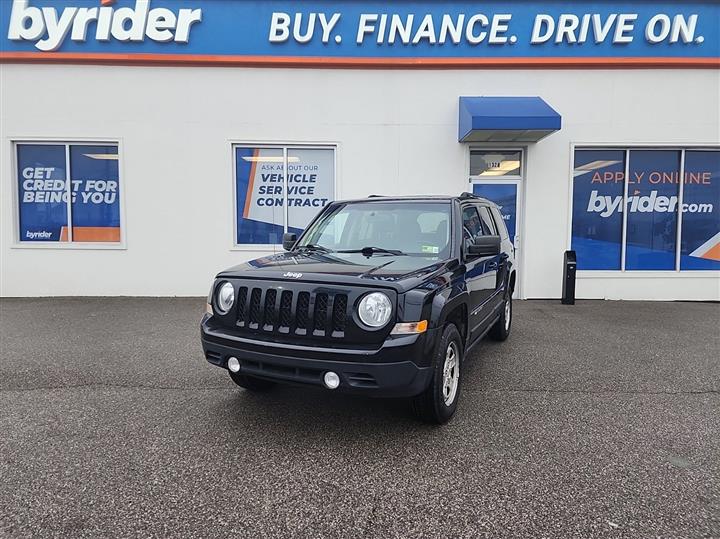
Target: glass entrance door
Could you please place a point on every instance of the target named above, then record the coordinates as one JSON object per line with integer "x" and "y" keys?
{"x": 505, "y": 195}
{"x": 497, "y": 176}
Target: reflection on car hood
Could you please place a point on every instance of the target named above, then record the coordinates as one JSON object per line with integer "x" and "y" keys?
{"x": 398, "y": 271}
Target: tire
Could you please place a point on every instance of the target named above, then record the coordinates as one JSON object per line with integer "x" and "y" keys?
{"x": 501, "y": 330}
{"x": 438, "y": 402}
{"x": 250, "y": 382}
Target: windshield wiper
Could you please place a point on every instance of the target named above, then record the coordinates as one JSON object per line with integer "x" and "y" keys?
{"x": 369, "y": 251}
{"x": 313, "y": 247}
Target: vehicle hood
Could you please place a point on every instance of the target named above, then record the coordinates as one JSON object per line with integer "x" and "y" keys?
{"x": 399, "y": 272}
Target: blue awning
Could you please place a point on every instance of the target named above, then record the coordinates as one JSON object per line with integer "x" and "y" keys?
{"x": 506, "y": 119}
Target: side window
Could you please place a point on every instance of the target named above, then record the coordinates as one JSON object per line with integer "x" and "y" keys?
{"x": 487, "y": 221}
{"x": 471, "y": 222}
{"x": 472, "y": 225}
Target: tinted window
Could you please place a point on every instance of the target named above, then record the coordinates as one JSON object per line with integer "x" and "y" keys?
{"x": 471, "y": 222}
{"x": 473, "y": 226}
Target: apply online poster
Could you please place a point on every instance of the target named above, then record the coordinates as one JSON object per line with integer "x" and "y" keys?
{"x": 652, "y": 206}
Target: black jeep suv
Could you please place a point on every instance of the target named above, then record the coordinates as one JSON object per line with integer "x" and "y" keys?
{"x": 382, "y": 296}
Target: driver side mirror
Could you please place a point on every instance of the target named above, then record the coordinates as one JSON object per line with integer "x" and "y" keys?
{"x": 485, "y": 246}
{"x": 289, "y": 239}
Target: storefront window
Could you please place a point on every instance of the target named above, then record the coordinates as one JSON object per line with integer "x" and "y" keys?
{"x": 599, "y": 183}
{"x": 652, "y": 201}
{"x": 260, "y": 184}
{"x": 655, "y": 208}
{"x": 85, "y": 209}
{"x": 95, "y": 204}
{"x": 701, "y": 212}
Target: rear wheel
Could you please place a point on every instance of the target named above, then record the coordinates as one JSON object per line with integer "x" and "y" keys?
{"x": 438, "y": 402}
{"x": 250, "y": 382}
{"x": 501, "y": 330}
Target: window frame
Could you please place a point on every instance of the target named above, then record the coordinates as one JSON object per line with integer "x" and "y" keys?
{"x": 67, "y": 142}
{"x": 284, "y": 146}
{"x": 626, "y": 149}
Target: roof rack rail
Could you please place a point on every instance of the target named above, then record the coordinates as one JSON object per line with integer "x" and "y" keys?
{"x": 465, "y": 195}
{"x": 376, "y": 196}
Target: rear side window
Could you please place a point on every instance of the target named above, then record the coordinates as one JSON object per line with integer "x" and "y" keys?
{"x": 502, "y": 229}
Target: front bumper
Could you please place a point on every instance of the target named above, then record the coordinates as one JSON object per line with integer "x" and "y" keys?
{"x": 401, "y": 367}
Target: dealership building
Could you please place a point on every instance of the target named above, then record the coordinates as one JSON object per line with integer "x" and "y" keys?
{"x": 147, "y": 144}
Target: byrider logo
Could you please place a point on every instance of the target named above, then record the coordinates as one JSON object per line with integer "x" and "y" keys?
{"x": 606, "y": 205}
{"x": 49, "y": 29}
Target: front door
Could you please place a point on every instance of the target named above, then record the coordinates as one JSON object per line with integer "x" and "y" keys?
{"x": 506, "y": 195}
{"x": 497, "y": 176}
{"x": 480, "y": 272}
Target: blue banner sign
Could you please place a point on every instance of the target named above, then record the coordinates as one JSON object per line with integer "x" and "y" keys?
{"x": 371, "y": 33}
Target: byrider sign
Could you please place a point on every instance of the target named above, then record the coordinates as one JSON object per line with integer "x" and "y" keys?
{"x": 370, "y": 33}
{"x": 48, "y": 27}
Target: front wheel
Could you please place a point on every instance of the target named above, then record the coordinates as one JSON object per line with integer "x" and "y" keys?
{"x": 501, "y": 330}
{"x": 438, "y": 402}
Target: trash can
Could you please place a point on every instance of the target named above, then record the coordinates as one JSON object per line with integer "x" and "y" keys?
{"x": 569, "y": 270}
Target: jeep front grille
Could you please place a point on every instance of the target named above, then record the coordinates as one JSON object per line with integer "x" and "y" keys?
{"x": 318, "y": 314}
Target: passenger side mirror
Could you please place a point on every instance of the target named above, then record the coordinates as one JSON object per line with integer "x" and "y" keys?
{"x": 485, "y": 246}
{"x": 289, "y": 240}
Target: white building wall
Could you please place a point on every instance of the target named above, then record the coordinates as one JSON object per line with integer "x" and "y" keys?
{"x": 396, "y": 133}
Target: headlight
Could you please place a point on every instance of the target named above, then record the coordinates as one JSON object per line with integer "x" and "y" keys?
{"x": 225, "y": 298}
{"x": 375, "y": 309}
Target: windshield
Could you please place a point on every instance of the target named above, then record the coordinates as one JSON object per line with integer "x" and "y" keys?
{"x": 408, "y": 228}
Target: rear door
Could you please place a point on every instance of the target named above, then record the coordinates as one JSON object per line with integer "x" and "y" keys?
{"x": 480, "y": 272}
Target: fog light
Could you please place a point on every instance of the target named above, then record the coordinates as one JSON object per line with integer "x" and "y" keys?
{"x": 331, "y": 379}
{"x": 234, "y": 364}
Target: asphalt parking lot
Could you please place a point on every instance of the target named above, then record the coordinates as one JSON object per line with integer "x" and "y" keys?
{"x": 598, "y": 420}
